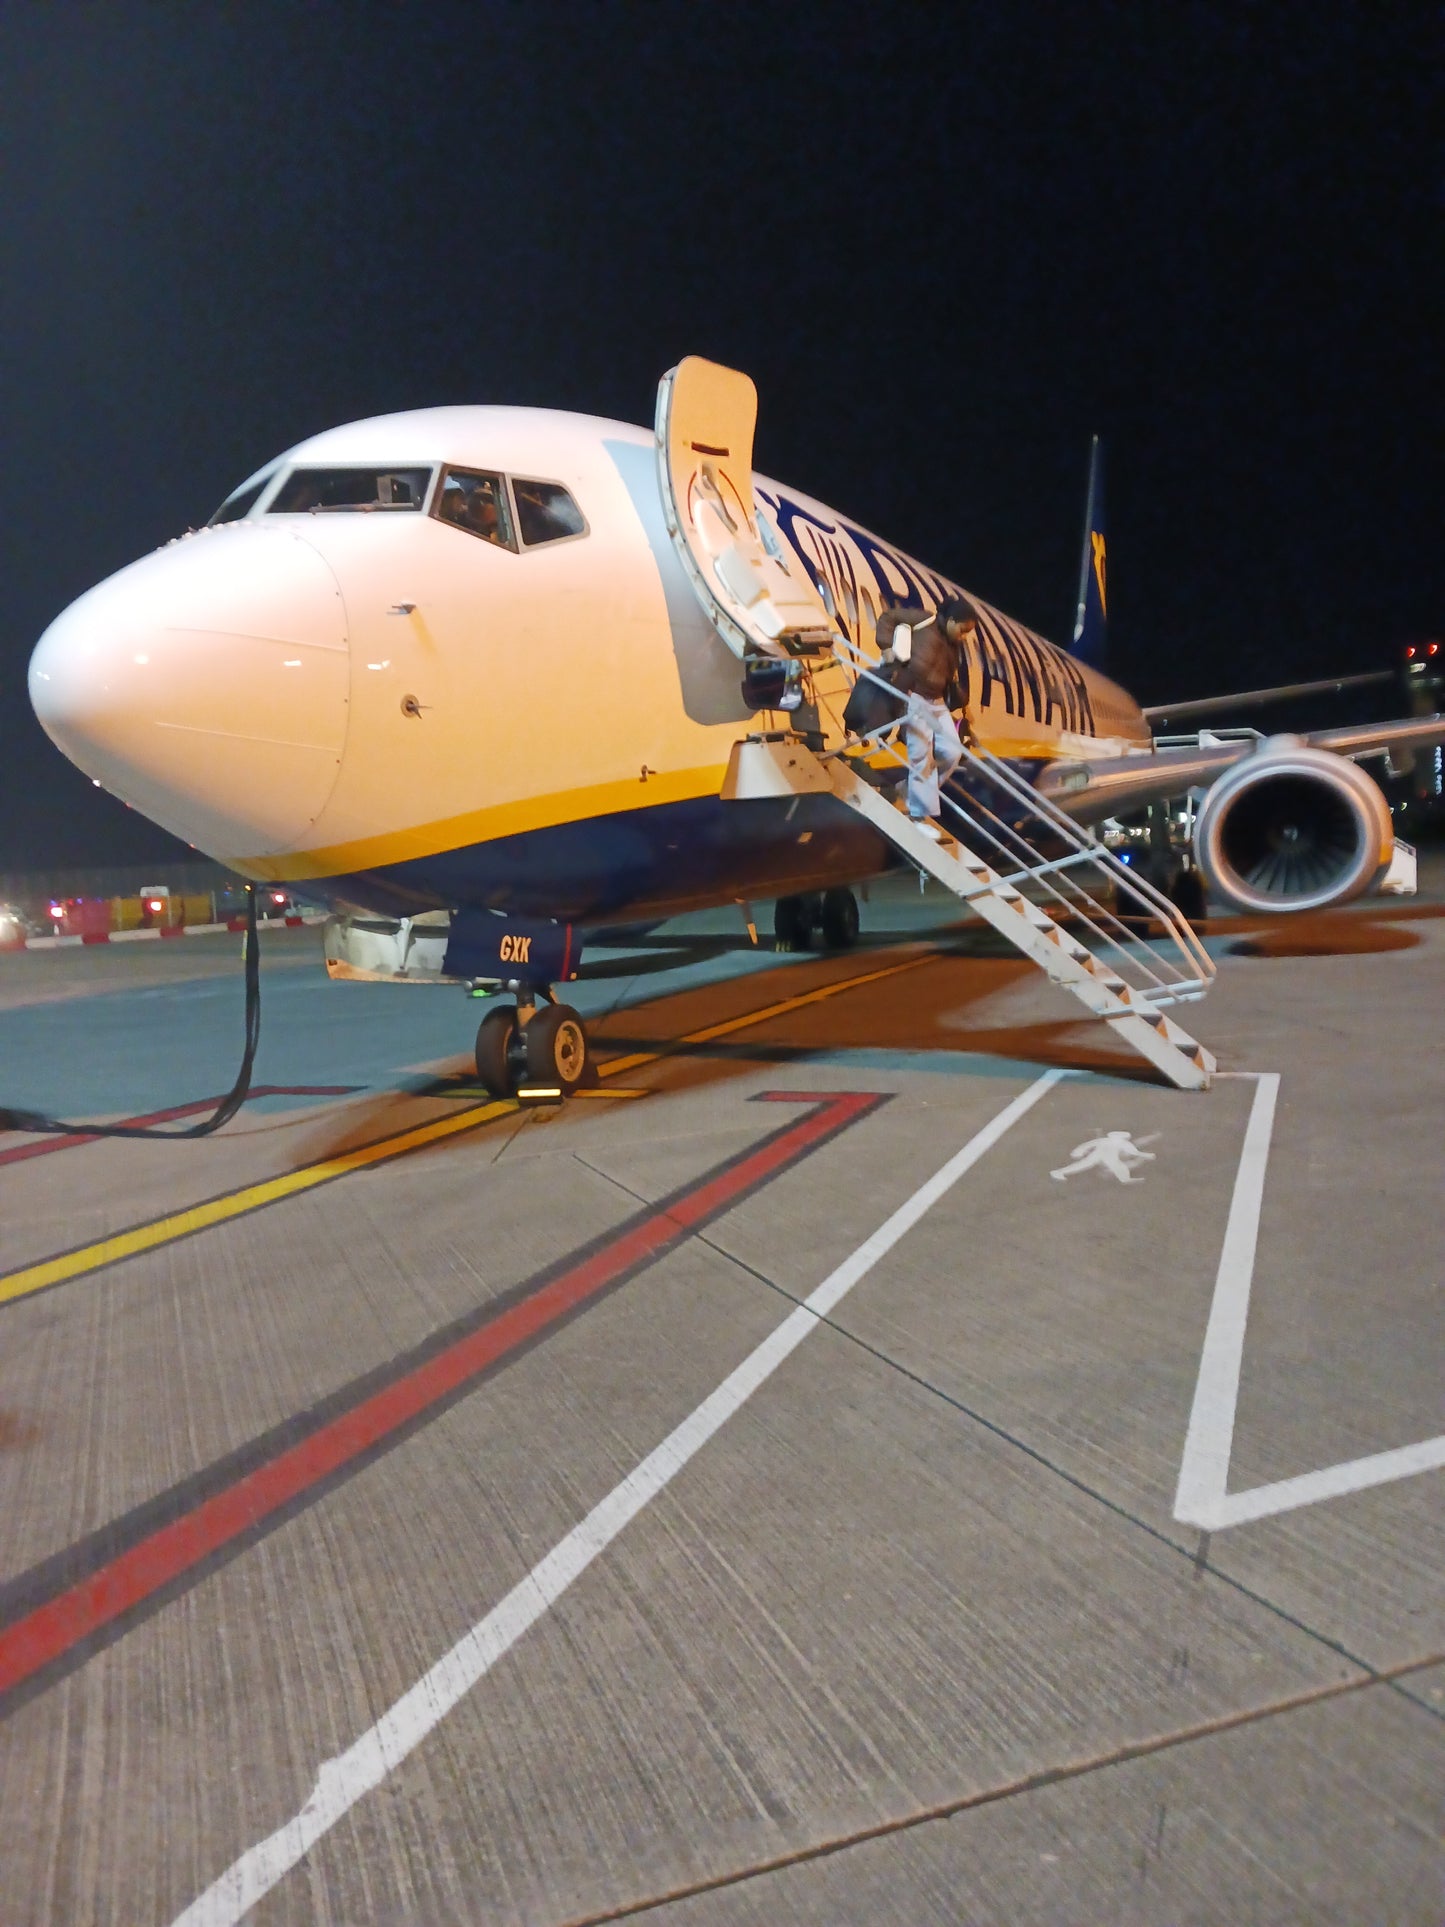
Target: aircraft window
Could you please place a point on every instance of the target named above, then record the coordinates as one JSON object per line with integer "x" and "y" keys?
{"x": 476, "y": 503}
{"x": 311, "y": 490}
{"x": 769, "y": 537}
{"x": 546, "y": 512}
{"x": 869, "y": 611}
{"x": 243, "y": 499}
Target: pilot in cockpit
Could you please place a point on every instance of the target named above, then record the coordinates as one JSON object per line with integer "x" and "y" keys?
{"x": 470, "y": 502}
{"x": 482, "y": 516}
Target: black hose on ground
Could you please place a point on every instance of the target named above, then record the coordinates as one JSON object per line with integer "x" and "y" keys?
{"x": 229, "y": 1104}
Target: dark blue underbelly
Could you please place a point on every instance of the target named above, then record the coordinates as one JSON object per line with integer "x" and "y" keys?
{"x": 636, "y": 863}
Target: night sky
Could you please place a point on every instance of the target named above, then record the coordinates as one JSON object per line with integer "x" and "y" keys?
{"x": 948, "y": 246}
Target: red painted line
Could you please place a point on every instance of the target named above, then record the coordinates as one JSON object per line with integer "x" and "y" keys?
{"x": 44, "y": 1635}
{"x": 44, "y": 1147}
{"x": 168, "y": 930}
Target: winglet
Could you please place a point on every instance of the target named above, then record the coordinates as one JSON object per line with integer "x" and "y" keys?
{"x": 1090, "y": 642}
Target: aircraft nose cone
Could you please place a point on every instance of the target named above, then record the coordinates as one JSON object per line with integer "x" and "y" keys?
{"x": 207, "y": 686}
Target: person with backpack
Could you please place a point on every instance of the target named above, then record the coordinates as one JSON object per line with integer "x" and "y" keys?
{"x": 932, "y": 657}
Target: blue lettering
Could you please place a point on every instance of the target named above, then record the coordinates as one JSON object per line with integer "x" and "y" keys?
{"x": 994, "y": 666}
{"x": 915, "y": 591}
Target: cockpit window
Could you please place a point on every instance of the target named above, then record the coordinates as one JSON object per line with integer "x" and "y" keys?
{"x": 546, "y": 512}
{"x": 309, "y": 491}
{"x": 476, "y": 503}
{"x": 242, "y": 500}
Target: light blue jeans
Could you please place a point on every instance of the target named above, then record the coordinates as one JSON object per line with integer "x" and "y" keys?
{"x": 934, "y": 753}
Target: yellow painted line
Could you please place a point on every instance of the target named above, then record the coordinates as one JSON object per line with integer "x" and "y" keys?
{"x": 235, "y": 1204}
{"x": 615, "y": 1065}
{"x": 254, "y": 1197}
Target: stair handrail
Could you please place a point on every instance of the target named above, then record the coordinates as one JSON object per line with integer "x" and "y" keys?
{"x": 1129, "y": 946}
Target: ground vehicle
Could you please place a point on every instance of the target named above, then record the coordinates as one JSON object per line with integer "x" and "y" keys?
{"x": 14, "y": 925}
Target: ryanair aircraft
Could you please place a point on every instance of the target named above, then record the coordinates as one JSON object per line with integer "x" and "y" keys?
{"x": 494, "y": 662}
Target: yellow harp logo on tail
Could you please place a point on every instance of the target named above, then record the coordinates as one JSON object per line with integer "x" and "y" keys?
{"x": 1100, "y": 569}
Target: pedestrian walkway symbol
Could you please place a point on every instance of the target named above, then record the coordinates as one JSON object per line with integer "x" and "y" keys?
{"x": 1115, "y": 1152}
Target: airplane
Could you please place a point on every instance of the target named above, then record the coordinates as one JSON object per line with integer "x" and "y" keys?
{"x": 478, "y": 674}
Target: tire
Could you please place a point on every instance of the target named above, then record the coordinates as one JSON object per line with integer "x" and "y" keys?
{"x": 494, "y": 1037}
{"x": 791, "y": 924}
{"x": 556, "y": 1047}
{"x": 840, "y": 919}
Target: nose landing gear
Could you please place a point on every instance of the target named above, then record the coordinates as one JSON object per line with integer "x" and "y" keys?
{"x": 532, "y": 1049}
{"x": 833, "y": 912}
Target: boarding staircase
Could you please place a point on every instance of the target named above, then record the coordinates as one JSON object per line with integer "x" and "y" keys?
{"x": 1062, "y": 910}
{"x": 1012, "y": 856}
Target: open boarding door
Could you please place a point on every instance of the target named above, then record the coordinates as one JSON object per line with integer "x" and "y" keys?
{"x": 760, "y": 601}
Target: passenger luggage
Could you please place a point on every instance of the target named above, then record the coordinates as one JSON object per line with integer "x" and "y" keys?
{"x": 870, "y": 707}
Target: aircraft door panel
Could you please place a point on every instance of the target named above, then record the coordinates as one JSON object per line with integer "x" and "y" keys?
{"x": 706, "y": 415}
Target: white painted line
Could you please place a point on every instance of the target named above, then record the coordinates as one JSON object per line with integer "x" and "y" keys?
{"x": 1203, "y": 1498}
{"x": 1332, "y": 1482}
{"x": 1205, "y": 1467}
{"x": 341, "y": 1782}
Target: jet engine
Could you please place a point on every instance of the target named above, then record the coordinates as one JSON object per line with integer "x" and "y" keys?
{"x": 1292, "y": 828}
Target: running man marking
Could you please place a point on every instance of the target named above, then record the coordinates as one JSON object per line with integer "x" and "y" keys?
{"x": 1115, "y": 1152}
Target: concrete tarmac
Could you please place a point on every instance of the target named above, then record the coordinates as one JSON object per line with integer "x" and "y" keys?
{"x": 413, "y": 1510}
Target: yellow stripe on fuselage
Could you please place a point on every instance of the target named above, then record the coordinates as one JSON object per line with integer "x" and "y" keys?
{"x": 486, "y": 825}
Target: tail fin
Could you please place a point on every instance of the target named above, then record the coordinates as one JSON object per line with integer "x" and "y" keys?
{"x": 1091, "y": 623}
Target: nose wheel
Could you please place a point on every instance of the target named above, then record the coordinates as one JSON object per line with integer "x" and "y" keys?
{"x": 534, "y": 1047}
{"x": 500, "y": 1054}
{"x": 556, "y": 1048}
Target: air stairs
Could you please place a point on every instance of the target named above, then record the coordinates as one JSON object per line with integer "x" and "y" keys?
{"x": 996, "y": 820}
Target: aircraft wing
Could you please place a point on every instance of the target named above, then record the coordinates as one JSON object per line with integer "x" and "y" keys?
{"x": 1112, "y": 785}
{"x": 1252, "y": 698}
{"x": 1374, "y": 738}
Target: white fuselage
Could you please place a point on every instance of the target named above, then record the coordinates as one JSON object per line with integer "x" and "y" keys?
{"x": 388, "y": 711}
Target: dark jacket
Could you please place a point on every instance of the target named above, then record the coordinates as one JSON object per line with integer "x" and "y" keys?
{"x": 933, "y": 664}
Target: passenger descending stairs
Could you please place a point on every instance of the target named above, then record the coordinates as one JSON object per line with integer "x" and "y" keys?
{"x": 776, "y": 765}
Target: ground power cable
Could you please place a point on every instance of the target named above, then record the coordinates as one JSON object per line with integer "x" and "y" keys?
{"x": 36, "y": 1121}
{"x": 1382, "y": 1675}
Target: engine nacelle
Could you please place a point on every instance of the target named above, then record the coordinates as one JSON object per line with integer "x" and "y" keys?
{"x": 1292, "y": 828}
